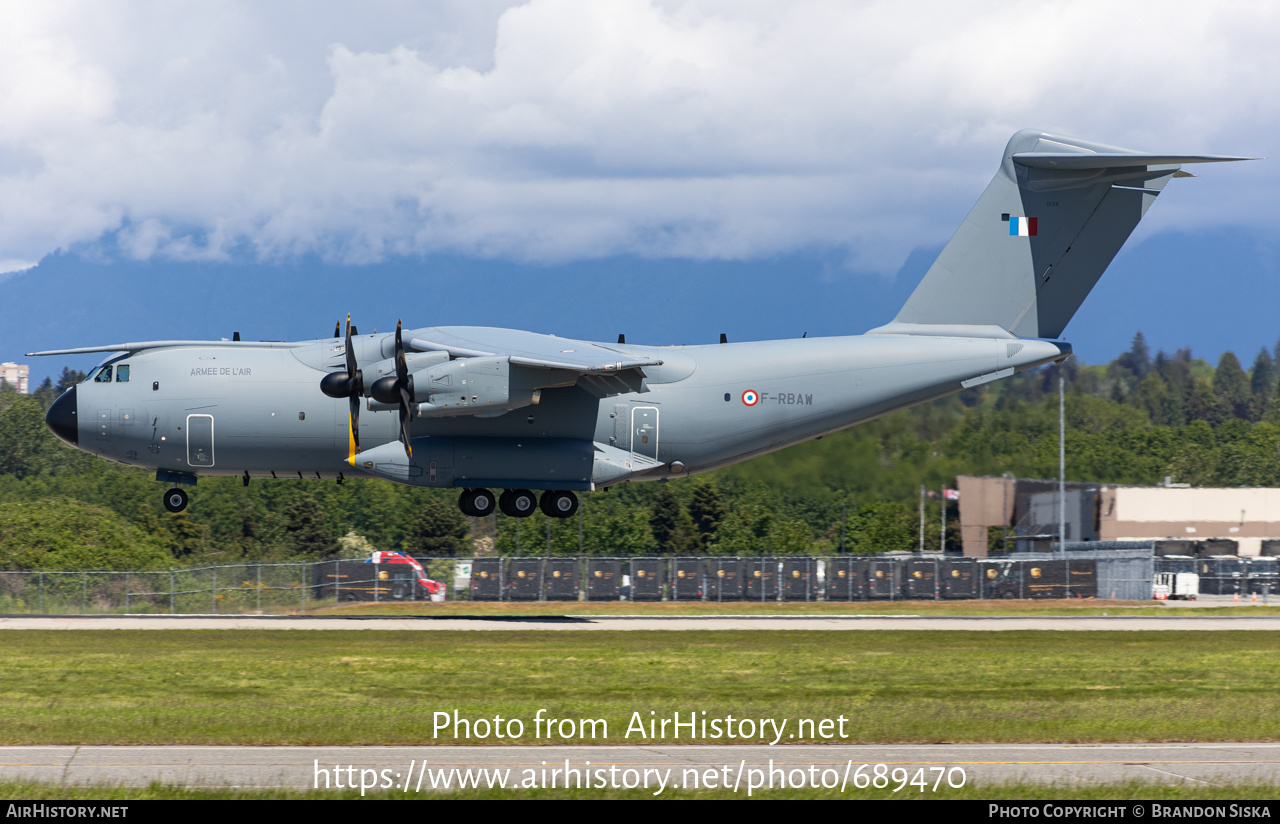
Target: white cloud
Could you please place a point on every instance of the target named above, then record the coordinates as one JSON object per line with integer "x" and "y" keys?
{"x": 568, "y": 129}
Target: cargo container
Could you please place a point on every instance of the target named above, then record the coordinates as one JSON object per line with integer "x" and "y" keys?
{"x": 724, "y": 579}
{"x": 920, "y": 582}
{"x": 958, "y": 578}
{"x": 1217, "y": 546}
{"x": 487, "y": 579}
{"x": 1263, "y": 576}
{"x": 687, "y": 579}
{"x": 1060, "y": 579}
{"x": 1175, "y": 547}
{"x": 1175, "y": 564}
{"x": 760, "y": 579}
{"x": 647, "y": 579}
{"x": 524, "y": 579}
{"x": 1222, "y": 575}
{"x": 846, "y": 579}
{"x": 884, "y": 579}
{"x": 799, "y": 579}
{"x": 1001, "y": 579}
{"x": 560, "y": 579}
{"x": 604, "y": 579}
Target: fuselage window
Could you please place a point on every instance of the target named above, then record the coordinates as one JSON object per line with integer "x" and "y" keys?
{"x": 104, "y": 376}
{"x": 122, "y": 373}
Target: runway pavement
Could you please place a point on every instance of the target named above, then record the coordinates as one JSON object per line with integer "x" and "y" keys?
{"x": 589, "y": 623}
{"x": 415, "y": 770}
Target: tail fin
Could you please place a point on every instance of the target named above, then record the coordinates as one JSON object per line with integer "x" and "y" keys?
{"x": 1040, "y": 236}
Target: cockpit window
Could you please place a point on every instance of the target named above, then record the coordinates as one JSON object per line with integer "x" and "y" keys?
{"x": 122, "y": 373}
{"x": 103, "y": 376}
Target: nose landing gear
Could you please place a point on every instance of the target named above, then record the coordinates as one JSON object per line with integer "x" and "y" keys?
{"x": 175, "y": 500}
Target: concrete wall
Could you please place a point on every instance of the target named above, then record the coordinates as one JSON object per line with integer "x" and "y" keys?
{"x": 1132, "y": 513}
{"x": 1141, "y": 512}
{"x": 984, "y": 502}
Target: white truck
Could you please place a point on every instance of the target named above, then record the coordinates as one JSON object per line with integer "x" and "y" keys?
{"x": 1176, "y": 586}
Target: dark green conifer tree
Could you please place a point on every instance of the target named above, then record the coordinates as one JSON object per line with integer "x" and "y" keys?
{"x": 707, "y": 510}
{"x": 439, "y": 529}
{"x": 1232, "y": 385}
{"x": 664, "y": 518}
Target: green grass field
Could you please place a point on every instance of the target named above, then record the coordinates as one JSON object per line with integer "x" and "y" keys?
{"x": 294, "y": 687}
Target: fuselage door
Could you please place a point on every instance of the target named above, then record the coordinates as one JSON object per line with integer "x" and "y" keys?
{"x": 644, "y": 431}
{"x": 200, "y": 440}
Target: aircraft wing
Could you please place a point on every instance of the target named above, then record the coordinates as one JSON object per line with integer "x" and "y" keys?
{"x": 528, "y": 349}
{"x": 600, "y": 369}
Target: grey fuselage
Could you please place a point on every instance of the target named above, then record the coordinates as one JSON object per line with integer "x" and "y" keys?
{"x": 256, "y": 409}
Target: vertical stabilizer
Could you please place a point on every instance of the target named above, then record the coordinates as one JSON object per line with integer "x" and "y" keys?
{"x": 1041, "y": 235}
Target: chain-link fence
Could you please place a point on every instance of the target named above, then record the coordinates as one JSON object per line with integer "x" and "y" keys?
{"x": 239, "y": 588}
{"x": 1122, "y": 573}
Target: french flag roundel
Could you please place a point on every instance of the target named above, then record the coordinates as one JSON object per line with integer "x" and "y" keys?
{"x": 750, "y": 397}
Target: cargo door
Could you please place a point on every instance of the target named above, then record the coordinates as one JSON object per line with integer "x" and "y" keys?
{"x": 199, "y": 441}
{"x": 644, "y": 431}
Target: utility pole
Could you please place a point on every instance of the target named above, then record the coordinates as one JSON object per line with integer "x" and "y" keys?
{"x": 1062, "y": 462}
{"x": 942, "y": 542}
{"x": 922, "y": 517}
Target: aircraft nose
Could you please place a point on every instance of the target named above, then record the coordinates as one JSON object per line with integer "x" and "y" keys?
{"x": 61, "y": 418}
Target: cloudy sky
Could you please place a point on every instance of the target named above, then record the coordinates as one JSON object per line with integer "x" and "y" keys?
{"x": 385, "y": 155}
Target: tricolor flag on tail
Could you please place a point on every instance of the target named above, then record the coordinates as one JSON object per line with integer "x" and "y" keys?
{"x": 1021, "y": 226}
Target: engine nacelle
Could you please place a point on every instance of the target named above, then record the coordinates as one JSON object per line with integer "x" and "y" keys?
{"x": 470, "y": 386}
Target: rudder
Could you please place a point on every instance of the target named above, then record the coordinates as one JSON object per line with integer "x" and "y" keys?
{"x": 1040, "y": 236}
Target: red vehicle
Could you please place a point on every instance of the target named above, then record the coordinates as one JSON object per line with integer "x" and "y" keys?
{"x": 384, "y": 576}
{"x": 435, "y": 589}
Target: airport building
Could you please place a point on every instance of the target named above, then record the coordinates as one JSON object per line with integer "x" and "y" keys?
{"x": 15, "y": 374}
{"x": 1023, "y": 514}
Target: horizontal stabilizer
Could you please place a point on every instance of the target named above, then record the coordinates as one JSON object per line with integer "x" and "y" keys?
{"x": 1111, "y": 160}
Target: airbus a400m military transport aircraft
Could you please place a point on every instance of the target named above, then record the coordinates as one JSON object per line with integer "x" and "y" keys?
{"x": 481, "y": 409}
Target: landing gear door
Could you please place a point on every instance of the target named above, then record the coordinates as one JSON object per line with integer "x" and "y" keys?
{"x": 199, "y": 440}
{"x": 644, "y": 431}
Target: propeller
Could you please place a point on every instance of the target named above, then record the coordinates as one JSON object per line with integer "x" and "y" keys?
{"x": 398, "y": 390}
{"x": 348, "y": 384}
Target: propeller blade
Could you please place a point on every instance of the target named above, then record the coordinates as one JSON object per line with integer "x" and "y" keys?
{"x": 355, "y": 390}
{"x": 353, "y": 428}
{"x": 337, "y": 329}
{"x": 402, "y": 368}
{"x": 406, "y": 415}
{"x": 350, "y": 353}
{"x": 405, "y": 385}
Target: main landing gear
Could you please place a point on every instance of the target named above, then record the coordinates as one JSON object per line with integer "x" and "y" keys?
{"x": 175, "y": 500}
{"x": 476, "y": 502}
{"x": 519, "y": 503}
